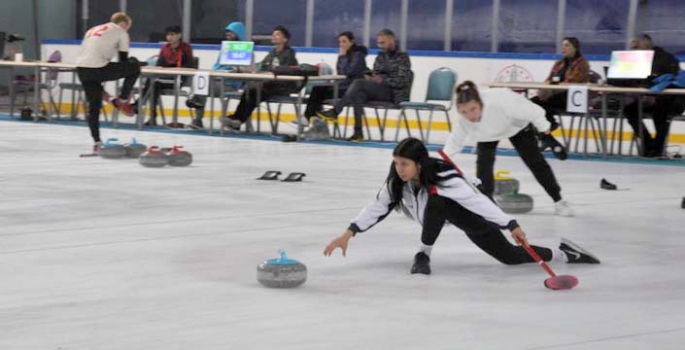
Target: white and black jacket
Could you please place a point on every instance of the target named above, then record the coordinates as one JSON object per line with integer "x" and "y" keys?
{"x": 453, "y": 186}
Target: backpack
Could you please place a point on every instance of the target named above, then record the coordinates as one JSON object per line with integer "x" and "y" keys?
{"x": 303, "y": 70}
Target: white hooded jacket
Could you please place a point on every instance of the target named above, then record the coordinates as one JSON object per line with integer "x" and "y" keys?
{"x": 505, "y": 114}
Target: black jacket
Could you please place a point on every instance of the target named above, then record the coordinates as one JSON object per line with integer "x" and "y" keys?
{"x": 395, "y": 68}
{"x": 664, "y": 63}
{"x": 285, "y": 58}
{"x": 352, "y": 65}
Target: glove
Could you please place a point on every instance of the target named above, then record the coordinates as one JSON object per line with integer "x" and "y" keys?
{"x": 548, "y": 141}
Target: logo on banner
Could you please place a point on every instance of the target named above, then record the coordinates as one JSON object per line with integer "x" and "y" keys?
{"x": 514, "y": 73}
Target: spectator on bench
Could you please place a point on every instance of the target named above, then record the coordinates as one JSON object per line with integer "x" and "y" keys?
{"x": 662, "y": 107}
{"x": 281, "y": 54}
{"x": 390, "y": 81}
{"x": 573, "y": 68}
{"x": 351, "y": 63}
{"x": 175, "y": 53}
{"x": 235, "y": 31}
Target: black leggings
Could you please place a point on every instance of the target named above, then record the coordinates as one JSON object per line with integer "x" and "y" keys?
{"x": 525, "y": 143}
{"x": 248, "y": 101}
{"x": 92, "y": 79}
{"x": 486, "y": 235}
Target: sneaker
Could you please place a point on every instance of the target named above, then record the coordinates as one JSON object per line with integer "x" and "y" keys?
{"x": 233, "y": 124}
{"x": 194, "y": 103}
{"x": 328, "y": 114}
{"x": 576, "y": 254}
{"x": 196, "y": 124}
{"x": 151, "y": 122}
{"x": 356, "y": 138}
{"x": 96, "y": 147}
{"x": 124, "y": 107}
{"x": 563, "y": 208}
{"x": 421, "y": 264}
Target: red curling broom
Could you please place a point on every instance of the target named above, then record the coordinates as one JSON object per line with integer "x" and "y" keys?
{"x": 554, "y": 282}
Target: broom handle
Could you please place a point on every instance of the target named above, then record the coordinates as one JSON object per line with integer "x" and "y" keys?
{"x": 447, "y": 160}
{"x": 536, "y": 257}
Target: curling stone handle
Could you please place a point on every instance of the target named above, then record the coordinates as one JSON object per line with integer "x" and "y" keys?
{"x": 502, "y": 175}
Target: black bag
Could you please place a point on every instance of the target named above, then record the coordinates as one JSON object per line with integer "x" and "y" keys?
{"x": 303, "y": 70}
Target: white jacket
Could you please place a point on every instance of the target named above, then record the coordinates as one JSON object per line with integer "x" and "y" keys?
{"x": 505, "y": 114}
{"x": 453, "y": 187}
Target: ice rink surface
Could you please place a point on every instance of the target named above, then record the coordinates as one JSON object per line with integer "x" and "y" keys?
{"x": 107, "y": 254}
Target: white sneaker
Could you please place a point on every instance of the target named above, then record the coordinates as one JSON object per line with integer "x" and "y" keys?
{"x": 562, "y": 208}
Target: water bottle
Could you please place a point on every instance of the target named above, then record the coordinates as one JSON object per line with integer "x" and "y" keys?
{"x": 275, "y": 62}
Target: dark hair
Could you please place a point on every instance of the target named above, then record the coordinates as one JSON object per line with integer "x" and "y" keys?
{"x": 415, "y": 150}
{"x": 576, "y": 44}
{"x": 644, "y": 39}
{"x": 467, "y": 92}
{"x": 173, "y": 29}
{"x": 284, "y": 31}
{"x": 347, "y": 34}
{"x": 350, "y": 36}
{"x": 386, "y": 32}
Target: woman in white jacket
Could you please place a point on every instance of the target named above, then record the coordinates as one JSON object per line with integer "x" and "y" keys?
{"x": 431, "y": 192}
{"x": 497, "y": 114}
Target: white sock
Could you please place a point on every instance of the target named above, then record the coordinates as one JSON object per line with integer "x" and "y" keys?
{"x": 426, "y": 249}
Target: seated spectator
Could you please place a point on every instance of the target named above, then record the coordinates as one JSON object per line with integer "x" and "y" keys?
{"x": 661, "y": 107}
{"x": 235, "y": 31}
{"x": 175, "y": 53}
{"x": 573, "y": 68}
{"x": 281, "y": 54}
{"x": 390, "y": 81}
{"x": 351, "y": 63}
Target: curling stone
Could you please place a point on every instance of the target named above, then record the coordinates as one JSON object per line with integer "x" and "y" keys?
{"x": 179, "y": 157}
{"x": 514, "y": 203}
{"x": 112, "y": 150}
{"x": 134, "y": 149}
{"x": 505, "y": 184}
{"x": 154, "y": 158}
{"x": 281, "y": 272}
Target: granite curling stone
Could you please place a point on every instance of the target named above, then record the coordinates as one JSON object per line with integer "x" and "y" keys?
{"x": 281, "y": 272}
{"x": 154, "y": 158}
{"x": 179, "y": 157}
{"x": 515, "y": 203}
{"x": 112, "y": 150}
{"x": 134, "y": 149}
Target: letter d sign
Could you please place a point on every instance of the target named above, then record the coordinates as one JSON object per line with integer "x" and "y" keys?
{"x": 201, "y": 84}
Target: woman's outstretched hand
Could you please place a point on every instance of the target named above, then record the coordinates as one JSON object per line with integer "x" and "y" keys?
{"x": 339, "y": 242}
